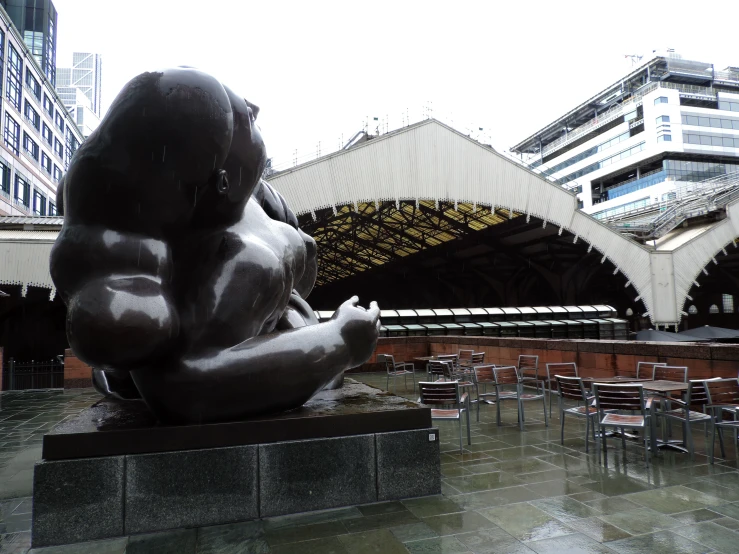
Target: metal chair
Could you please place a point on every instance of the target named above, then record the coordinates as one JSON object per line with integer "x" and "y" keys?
{"x": 565, "y": 369}
{"x": 478, "y": 358}
{"x": 465, "y": 355}
{"x": 508, "y": 376}
{"x": 622, "y": 396}
{"x": 645, "y": 370}
{"x": 484, "y": 377}
{"x": 528, "y": 369}
{"x": 447, "y": 394}
{"x": 436, "y": 369}
{"x": 397, "y": 369}
{"x": 454, "y": 358}
{"x": 663, "y": 372}
{"x": 573, "y": 389}
{"x": 695, "y": 396}
{"x": 722, "y": 394}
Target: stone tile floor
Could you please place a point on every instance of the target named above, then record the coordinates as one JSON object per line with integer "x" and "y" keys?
{"x": 508, "y": 492}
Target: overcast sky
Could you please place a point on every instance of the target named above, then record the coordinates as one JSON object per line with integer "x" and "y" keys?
{"x": 318, "y": 70}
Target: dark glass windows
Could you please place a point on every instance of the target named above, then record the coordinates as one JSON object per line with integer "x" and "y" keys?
{"x": 12, "y": 134}
{"x": 660, "y": 100}
{"x": 32, "y": 84}
{"x": 32, "y": 115}
{"x": 57, "y": 173}
{"x": 59, "y": 148}
{"x": 39, "y": 203}
{"x": 4, "y": 180}
{"x": 46, "y": 162}
{"x": 715, "y": 122}
{"x": 59, "y": 121}
{"x": 47, "y": 134}
{"x": 22, "y": 193}
{"x": 48, "y": 106}
{"x": 15, "y": 74}
{"x": 30, "y": 146}
{"x": 663, "y": 119}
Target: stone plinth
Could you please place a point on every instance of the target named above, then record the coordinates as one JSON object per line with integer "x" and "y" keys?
{"x": 114, "y": 471}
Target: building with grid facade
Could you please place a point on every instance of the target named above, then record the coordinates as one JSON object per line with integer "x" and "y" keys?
{"x": 39, "y": 136}
{"x": 79, "y": 87}
{"x": 642, "y": 141}
{"x": 36, "y": 21}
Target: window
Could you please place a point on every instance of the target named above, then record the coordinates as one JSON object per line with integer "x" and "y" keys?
{"x": 710, "y": 140}
{"x": 717, "y": 122}
{"x": 22, "y": 191}
{"x": 57, "y": 173}
{"x": 46, "y": 162}
{"x": 728, "y": 106}
{"x": 59, "y": 148}
{"x": 713, "y": 309}
{"x": 52, "y": 208}
{"x": 33, "y": 84}
{"x": 15, "y": 74}
{"x": 47, "y": 134}
{"x": 48, "y": 106}
{"x": 728, "y": 303}
{"x": 660, "y": 100}
{"x": 39, "y": 203}
{"x": 59, "y": 121}
{"x": 663, "y": 119}
{"x": 2, "y": 55}
{"x": 664, "y": 138}
{"x": 12, "y": 134}
{"x": 692, "y": 310}
{"x": 32, "y": 115}
{"x": 4, "y": 180}
{"x": 30, "y": 146}
{"x": 603, "y": 163}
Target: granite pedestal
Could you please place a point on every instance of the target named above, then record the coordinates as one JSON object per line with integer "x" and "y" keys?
{"x": 113, "y": 471}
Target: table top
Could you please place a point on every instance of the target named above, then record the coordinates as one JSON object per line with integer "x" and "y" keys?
{"x": 649, "y": 385}
{"x": 610, "y": 380}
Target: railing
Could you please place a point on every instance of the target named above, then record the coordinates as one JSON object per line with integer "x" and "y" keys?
{"x": 47, "y": 374}
{"x": 692, "y": 200}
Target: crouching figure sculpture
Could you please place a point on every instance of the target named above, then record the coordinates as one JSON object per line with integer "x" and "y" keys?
{"x": 184, "y": 274}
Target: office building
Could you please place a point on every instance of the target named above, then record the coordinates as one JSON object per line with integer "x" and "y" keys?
{"x": 36, "y": 21}
{"x": 669, "y": 123}
{"x": 39, "y": 136}
{"x": 85, "y": 75}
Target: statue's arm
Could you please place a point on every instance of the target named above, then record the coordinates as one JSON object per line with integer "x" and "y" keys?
{"x": 115, "y": 284}
{"x": 268, "y": 373}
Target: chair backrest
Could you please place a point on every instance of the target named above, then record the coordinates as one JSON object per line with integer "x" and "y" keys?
{"x": 566, "y": 369}
{"x": 678, "y": 374}
{"x": 478, "y": 358}
{"x": 723, "y": 391}
{"x": 389, "y": 360}
{"x": 645, "y": 370}
{"x": 528, "y": 365}
{"x": 506, "y": 375}
{"x": 619, "y": 396}
{"x": 454, "y": 358}
{"x": 436, "y": 367}
{"x": 571, "y": 387}
{"x": 439, "y": 392}
{"x": 465, "y": 355}
{"x": 697, "y": 394}
{"x": 484, "y": 373}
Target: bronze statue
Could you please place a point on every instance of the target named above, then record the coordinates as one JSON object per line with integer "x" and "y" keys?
{"x": 184, "y": 274}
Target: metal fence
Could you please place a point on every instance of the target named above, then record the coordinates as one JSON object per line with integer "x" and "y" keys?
{"x": 36, "y": 374}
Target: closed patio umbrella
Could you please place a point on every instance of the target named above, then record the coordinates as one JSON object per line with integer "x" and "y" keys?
{"x": 651, "y": 335}
{"x": 711, "y": 332}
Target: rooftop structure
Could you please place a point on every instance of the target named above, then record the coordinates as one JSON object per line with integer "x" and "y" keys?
{"x": 39, "y": 135}
{"x": 36, "y": 22}
{"x": 669, "y": 121}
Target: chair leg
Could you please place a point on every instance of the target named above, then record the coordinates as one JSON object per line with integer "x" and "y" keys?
{"x": 646, "y": 447}
{"x": 713, "y": 438}
{"x": 387, "y": 383}
{"x": 469, "y": 434}
{"x": 459, "y": 419}
{"x": 561, "y": 424}
{"x": 605, "y": 446}
{"x": 587, "y": 432}
{"x": 497, "y": 408}
{"x": 623, "y": 438}
{"x": 689, "y": 440}
{"x": 544, "y": 404}
{"x": 520, "y": 414}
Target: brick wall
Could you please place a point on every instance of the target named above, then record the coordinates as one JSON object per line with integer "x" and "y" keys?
{"x": 77, "y": 374}
{"x": 596, "y": 358}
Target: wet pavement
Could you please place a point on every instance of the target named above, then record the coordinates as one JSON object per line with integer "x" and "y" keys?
{"x": 509, "y": 492}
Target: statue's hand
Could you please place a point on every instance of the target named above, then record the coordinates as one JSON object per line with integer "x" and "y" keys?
{"x": 359, "y": 328}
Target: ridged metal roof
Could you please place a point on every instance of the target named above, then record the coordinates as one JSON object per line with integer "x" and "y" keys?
{"x": 31, "y": 220}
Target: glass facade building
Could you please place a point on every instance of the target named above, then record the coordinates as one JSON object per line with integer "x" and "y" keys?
{"x": 36, "y": 21}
